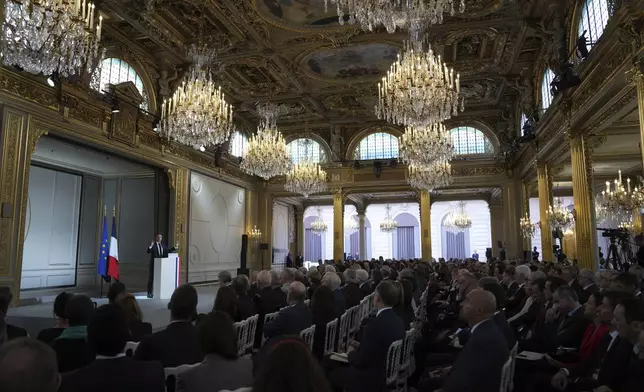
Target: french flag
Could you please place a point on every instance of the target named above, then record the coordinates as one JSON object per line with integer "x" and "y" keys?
{"x": 113, "y": 258}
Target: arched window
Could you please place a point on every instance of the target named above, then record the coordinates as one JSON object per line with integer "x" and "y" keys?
{"x": 524, "y": 118}
{"x": 594, "y": 17}
{"x": 115, "y": 71}
{"x": 305, "y": 149}
{"x": 469, "y": 140}
{"x": 238, "y": 144}
{"x": 379, "y": 145}
{"x": 546, "y": 94}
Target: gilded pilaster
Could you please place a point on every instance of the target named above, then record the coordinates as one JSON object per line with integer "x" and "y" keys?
{"x": 362, "y": 234}
{"x": 338, "y": 225}
{"x": 425, "y": 226}
{"x": 265, "y": 224}
{"x": 496, "y": 222}
{"x": 18, "y": 140}
{"x": 179, "y": 200}
{"x": 584, "y": 204}
{"x": 637, "y": 221}
{"x": 511, "y": 218}
{"x": 545, "y": 200}
{"x": 525, "y": 209}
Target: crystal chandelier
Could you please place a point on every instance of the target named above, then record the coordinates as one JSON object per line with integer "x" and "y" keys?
{"x": 388, "y": 225}
{"x": 459, "y": 220}
{"x": 197, "y": 113}
{"x": 318, "y": 226}
{"x": 619, "y": 202}
{"x": 306, "y": 177}
{"x": 421, "y": 146}
{"x": 267, "y": 155}
{"x": 255, "y": 234}
{"x": 559, "y": 217}
{"x": 413, "y": 15}
{"x": 50, "y": 36}
{"x": 528, "y": 229}
{"x": 601, "y": 210}
{"x": 418, "y": 89}
{"x": 436, "y": 175}
{"x": 351, "y": 225}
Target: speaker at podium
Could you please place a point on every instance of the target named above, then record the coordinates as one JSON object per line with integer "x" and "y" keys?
{"x": 166, "y": 275}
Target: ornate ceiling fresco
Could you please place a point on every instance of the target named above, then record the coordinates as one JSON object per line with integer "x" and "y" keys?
{"x": 295, "y": 53}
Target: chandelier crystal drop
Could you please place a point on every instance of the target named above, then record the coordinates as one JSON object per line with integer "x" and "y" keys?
{"x": 419, "y": 89}
{"x": 351, "y": 224}
{"x": 51, "y": 36}
{"x": 421, "y": 146}
{"x": 318, "y": 226}
{"x": 559, "y": 217}
{"x": 528, "y": 229}
{"x": 458, "y": 220}
{"x": 413, "y": 15}
{"x": 267, "y": 155}
{"x": 306, "y": 178}
{"x": 197, "y": 113}
{"x": 436, "y": 175}
{"x": 619, "y": 201}
{"x": 388, "y": 225}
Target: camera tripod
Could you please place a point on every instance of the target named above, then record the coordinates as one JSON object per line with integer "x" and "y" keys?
{"x": 619, "y": 256}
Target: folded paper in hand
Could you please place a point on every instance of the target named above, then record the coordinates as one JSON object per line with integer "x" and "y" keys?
{"x": 340, "y": 357}
{"x": 530, "y": 356}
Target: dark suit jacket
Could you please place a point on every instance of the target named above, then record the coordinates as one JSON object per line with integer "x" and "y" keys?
{"x": 177, "y": 344}
{"x": 49, "y": 335}
{"x": 246, "y": 307}
{"x": 216, "y": 373}
{"x": 587, "y": 292}
{"x": 120, "y": 374}
{"x": 340, "y": 302}
{"x": 470, "y": 373}
{"x": 290, "y": 321}
{"x": 635, "y": 379}
{"x": 369, "y": 360}
{"x": 266, "y": 301}
{"x": 352, "y": 295}
{"x": 280, "y": 297}
{"x": 154, "y": 251}
{"x": 612, "y": 364}
{"x": 577, "y": 287}
{"x": 567, "y": 332}
{"x": 512, "y": 289}
{"x": 513, "y": 304}
{"x": 365, "y": 289}
{"x": 72, "y": 354}
{"x": 504, "y": 327}
{"x": 14, "y": 332}
{"x": 138, "y": 330}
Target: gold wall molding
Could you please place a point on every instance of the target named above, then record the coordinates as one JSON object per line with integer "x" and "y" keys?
{"x": 179, "y": 181}
{"x": 425, "y": 225}
{"x": 585, "y": 237}
{"x": 545, "y": 200}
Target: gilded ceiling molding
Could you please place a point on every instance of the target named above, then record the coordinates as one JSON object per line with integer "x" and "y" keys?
{"x": 354, "y": 141}
{"x": 285, "y": 25}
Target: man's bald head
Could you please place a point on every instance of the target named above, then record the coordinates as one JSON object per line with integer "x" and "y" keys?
{"x": 479, "y": 305}
{"x": 27, "y": 365}
{"x": 296, "y": 293}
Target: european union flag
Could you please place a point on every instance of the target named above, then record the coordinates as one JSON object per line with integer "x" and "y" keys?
{"x": 103, "y": 253}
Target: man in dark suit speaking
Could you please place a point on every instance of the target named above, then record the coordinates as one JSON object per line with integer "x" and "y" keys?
{"x": 156, "y": 250}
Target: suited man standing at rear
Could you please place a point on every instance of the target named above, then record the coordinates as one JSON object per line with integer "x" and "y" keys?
{"x": 470, "y": 372}
{"x": 156, "y": 250}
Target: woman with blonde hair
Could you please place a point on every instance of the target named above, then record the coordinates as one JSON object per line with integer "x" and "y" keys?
{"x": 138, "y": 328}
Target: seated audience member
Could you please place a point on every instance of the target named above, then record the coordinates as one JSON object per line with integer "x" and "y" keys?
{"x": 266, "y": 301}
{"x": 587, "y": 283}
{"x": 246, "y": 304}
{"x": 287, "y": 276}
{"x": 517, "y": 297}
{"x": 227, "y": 301}
{"x": 635, "y": 379}
{"x": 363, "y": 282}
{"x": 569, "y": 274}
{"x": 385, "y": 271}
{"x": 323, "y": 312}
{"x": 608, "y": 366}
{"x": 60, "y": 303}
{"x": 300, "y": 276}
{"x": 107, "y": 333}
{"x": 366, "y": 370}
{"x": 221, "y": 368}
{"x": 352, "y": 294}
{"x": 469, "y": 372}
{"x": 288, "y": 366}
{"x": 114, "y": 291}
{"x": 499, "y": 273}
{"x": 225, "y": 278}
{"x": 28, "y": 365}
{"x": 252, "y": 290}
{"x": 509, "y": 279}
{"x": 627, "y": 283}
{"x": 570, "y": 324}
{"x": 526, "y": 317}
{"x": 294, "y": 318}
{"x": 137, "y": 327}
{"x": 178, "y": 343}
{"x": 72, "y": 349}
{"x": 404, "y": 308}
{"x": 316, "y": 279}
{"x": 376, "y": 278}
{"x": 502, "y": 324}
{"x": 332, "y": 280}
{"x": 276, "y": 284}
{"x": 10, "y": 331}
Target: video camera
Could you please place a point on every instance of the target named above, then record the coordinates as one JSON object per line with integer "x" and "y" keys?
{"x": 620, "y": 233}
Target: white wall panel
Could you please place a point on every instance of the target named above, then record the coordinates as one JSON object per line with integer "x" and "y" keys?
{"x": 326, "y": 238}
{"x": 480, "y": 234}
{"x": 217, "y": 214}
{"x": 382, "y": 244}
{"x": 51, "y": 229}
{"x": 280, "y": 227}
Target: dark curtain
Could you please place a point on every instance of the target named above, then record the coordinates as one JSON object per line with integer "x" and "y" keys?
{"x": 405, "y": 243}
{"x": 312, "y": 246}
